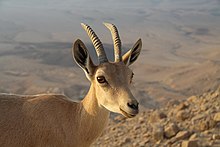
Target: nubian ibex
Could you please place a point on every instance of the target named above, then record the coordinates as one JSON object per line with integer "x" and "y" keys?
{"x": 52, "y": 120}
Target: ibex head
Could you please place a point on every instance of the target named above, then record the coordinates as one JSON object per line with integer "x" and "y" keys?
{"x": 111, "y": 80}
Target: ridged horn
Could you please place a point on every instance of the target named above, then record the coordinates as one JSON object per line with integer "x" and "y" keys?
{"x": 96, "y": 42}
{"x": 116, "y": 41}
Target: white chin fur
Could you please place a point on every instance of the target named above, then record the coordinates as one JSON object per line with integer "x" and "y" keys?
{"x": 114, "y": 109}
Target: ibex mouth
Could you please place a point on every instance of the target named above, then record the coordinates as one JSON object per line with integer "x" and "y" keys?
{"x": 126, "y": 114}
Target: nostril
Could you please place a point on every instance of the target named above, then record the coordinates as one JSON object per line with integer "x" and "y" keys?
{"x": 133, "y": 105}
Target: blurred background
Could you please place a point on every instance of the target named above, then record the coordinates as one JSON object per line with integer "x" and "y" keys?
{"x": 180, "y": 56}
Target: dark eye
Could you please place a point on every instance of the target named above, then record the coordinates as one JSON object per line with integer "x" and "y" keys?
{"x": 132, "y": 77}
{"x": 101, "y": 79}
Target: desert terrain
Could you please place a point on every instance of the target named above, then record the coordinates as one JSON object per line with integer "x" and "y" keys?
{"x": 180, "y": 55}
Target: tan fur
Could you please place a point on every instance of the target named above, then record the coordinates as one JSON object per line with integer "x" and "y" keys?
{"x": 56, "y": 121}
{"x": 50, "y": 120}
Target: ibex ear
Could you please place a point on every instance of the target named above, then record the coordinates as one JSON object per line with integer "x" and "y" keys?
{"x": 82, "y": 58}
{"x": 131, "y": 56}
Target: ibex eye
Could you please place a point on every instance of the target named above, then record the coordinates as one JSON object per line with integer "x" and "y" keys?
{"x": 131, "y": 77}
{"x": 101, "y": 79}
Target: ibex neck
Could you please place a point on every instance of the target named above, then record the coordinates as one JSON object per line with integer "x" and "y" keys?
{"x": 94, "y": 117}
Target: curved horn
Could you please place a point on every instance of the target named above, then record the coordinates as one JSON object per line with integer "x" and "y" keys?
{"x": 96, "y": 42}
{"x": 116, "y": 41}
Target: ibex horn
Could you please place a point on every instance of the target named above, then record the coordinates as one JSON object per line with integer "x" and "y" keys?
{"x": 96, "y": 42}
{"x": 116, "y": 41}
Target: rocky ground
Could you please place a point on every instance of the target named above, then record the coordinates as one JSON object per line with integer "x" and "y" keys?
{"x": 194, "y": 122}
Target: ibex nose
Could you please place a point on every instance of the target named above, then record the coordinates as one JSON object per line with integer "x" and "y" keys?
{"x": 133, "y": 105}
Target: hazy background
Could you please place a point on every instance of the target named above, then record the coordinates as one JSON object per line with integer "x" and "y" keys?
{"x": 180, "y": 56}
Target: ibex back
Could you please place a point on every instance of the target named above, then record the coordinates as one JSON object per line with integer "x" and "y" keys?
{"x": 50, "y": 120}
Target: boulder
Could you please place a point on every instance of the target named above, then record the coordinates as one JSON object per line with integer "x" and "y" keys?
{"x": 171, "y": 130}
{"x": 190, "y": 143}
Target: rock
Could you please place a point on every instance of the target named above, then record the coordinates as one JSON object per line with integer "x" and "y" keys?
{"x": 190, "y": 143}
{"x": 143, "y": 143}
{"x": 204, "y": 107}
{"x": 206, "y": 132}
{"x": 202, "y": 126}
{"x": 158, "y": 132}
{"x": 217, "y": 117}
{"x": 182, "y": 135}
{"x": 137, "y": 127}
{"x": 216, "y": 136}
{"x": 156, "y": 116}
{"x": 198, "y": 117}
{"x": 182, "y": 115}
{"x": 141, "y": 120}
{"x": 181, "y": 106}
{"x": 171, "y": 130}
{"x": 193, "y": 136}
{"x": 135, "y": 144}
{"x": 107, "y": 138}
{"x": 197, "y": 125}
{"x": 192, "y": 99}
{"x": 127, "y": 140}
{"x": 146, "y": 135}
{"x": 211, "y": 122}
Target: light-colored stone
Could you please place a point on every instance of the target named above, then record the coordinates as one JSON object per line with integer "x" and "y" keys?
{"x": 190, "y": 143}
{"x": 217, "y": 117}
{"x": 216, "y": 136}
{"x": 181, "y": 106}
{"x": 193, "y": 136}
{"x": 135, "y": 144}
{"x": 142, "y": 120}
{"x": 137, "y": 127}
{"x": 182, "y": 135}
{"x": 182, "y": 115}
{"x": 192, "y": 99}
{"x": 199, "y": 117}
{"x": 146, "y": 135}
{"x": 171, "y": 130}
{"x": 204, "y": 107}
